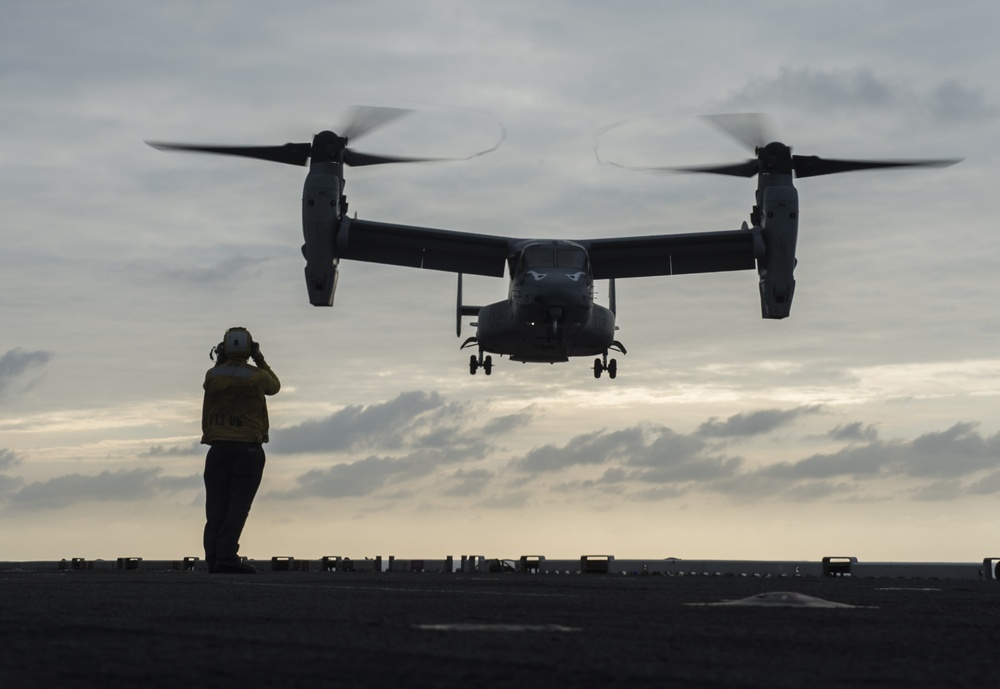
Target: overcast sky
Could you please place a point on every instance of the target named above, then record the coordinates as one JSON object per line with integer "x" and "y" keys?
{"x": 866, "y": 424}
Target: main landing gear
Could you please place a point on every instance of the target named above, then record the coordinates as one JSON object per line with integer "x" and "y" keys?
{"x": 485, "y": 363}
{"x": 601, "y": 365}
{"x": 610, "y": 366}
{"x": 480, "y": 362}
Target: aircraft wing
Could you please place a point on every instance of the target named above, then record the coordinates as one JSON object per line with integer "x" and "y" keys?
{"x": 422, "y": 247}
{"x": 671, "y": 254}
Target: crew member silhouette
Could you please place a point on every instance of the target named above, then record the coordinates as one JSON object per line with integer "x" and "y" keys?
{"x": 234, "y": 423}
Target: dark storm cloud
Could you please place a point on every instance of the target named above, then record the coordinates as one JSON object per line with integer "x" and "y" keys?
{"x": 753, "y": 423}
{"x": 17, "y": 364}
{"x": 108, "y": 486}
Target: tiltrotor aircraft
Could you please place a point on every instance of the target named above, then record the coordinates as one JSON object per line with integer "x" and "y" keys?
{"x": 549, "y": 314}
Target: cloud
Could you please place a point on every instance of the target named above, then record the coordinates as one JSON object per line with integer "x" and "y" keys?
{"x": 855, "y": 90}
{"x": 958, "y": 451}
{"x": 692, "y": 470}
{"x": 361, "y": 478}
{"x": 353, "y": 479}
{"x": 753, "y": 423}
{"x": 108, "y": 486}
{"x": 417, "y": 434}
{"x": 224, "y": 273}
{"x": 599, "y": 447}
{"x": 953, "y": 101}
{"x": 648, "y": 455}
{"x": 8, "y": 458}
{"x": 469, "y": 482}
{"x": 388, "y": 425}
{"x": 510, "y": 422}
{"x": 667, "y": 447}
{"x": 855, "y": 431}
{"x": 514, "y": 500}
{"x": 16, "y": 365}
{"x": 834, "y": 89}
{"x": 934, "y": 465}
{"x": 174, "y": 450}
{"x": 988, "y": 485}
{"x": 939, "y": 465}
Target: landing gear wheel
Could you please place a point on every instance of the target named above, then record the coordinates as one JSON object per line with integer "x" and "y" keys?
{"x": 601, "y": 365}
{"x": 480, "y": 362}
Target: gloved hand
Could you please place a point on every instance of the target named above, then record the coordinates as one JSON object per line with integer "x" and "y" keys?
{"x": 255, "y": 354}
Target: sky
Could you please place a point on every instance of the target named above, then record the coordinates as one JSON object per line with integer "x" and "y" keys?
{"x": 863, "y": 425}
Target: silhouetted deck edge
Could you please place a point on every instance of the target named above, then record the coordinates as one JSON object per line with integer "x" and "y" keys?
{"x": 830, "y": 566}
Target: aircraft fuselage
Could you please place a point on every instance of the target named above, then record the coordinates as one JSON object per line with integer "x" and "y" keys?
{"x": 549, "y": 314}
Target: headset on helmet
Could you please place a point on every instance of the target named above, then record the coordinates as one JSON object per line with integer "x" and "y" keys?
{"x": 236, "y": 343}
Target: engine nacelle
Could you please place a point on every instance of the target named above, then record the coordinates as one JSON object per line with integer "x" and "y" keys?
{"x": 779, "y": 231}
{"x": 321, "y": 281}
{"x": 320, "y": 220}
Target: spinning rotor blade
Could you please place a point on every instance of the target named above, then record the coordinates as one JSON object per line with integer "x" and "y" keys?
{"x": 327, "y": 146}
{"x": 355, "y": 159}
{"x": 806, "y": 166}
{"x": 752, "y": 129}
{"x": 363, "y": 119}
{"x": 290, "y": 154}
{"x": 813, "y": 166}
{"x": 745, "y": 169}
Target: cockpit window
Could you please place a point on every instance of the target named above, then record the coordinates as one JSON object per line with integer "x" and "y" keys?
{"x": 547, "y": 257}
{"x": 571, "y": 258}
{"x": 535, "y": 257}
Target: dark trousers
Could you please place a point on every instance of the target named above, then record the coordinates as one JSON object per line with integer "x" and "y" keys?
{"x": 233, "y": 472}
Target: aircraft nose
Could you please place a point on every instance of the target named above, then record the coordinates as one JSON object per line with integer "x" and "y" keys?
{"x": 562, "y": 293}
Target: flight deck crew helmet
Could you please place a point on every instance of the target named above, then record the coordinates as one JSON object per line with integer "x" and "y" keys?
{"x": 237, "y": 342}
